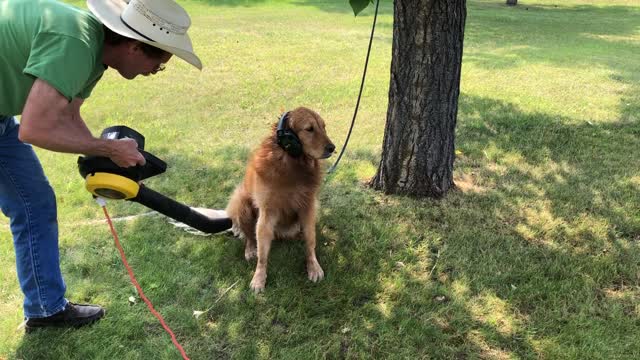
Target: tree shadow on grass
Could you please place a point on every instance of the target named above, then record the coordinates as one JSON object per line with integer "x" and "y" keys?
{"x": 563, "y": 200}
{"x": 500, "y": 279}
{"x": 592, "y": 159}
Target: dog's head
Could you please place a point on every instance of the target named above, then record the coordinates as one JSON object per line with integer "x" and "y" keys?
{"x": 309, "y": 127}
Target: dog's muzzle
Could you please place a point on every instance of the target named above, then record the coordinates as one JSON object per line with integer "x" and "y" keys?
{"x": 328, "y": 150}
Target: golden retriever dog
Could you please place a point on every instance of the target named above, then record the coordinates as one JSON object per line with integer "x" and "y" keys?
{"x": 278, "y": 196}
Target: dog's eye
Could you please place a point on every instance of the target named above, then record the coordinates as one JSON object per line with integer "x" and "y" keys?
{"x": 309, "y": 129}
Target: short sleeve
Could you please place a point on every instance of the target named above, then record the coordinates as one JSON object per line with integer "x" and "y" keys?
{"x": 66, "y": 63}
{"x": 86, "y": 92}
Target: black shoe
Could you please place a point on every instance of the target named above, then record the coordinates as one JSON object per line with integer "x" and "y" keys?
{"x": 73, "y": 315}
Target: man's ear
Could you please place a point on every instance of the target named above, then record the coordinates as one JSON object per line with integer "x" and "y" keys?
{"x": 133, "y": 46}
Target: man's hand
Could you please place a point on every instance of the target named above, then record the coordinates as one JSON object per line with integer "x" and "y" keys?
{"x": 125, "y": 153}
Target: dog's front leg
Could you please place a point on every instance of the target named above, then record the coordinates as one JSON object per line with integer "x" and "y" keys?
{"x": 264, "y": 236}
{"x": 308, "y": 223}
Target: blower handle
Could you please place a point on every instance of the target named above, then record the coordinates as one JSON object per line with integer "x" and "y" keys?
{"x": 175, "y": 210}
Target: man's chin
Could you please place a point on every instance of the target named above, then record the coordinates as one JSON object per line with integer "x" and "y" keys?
{"x": 128, "y": 76}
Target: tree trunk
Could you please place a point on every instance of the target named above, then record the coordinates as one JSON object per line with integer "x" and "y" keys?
{"x": 418, "y": 148}
{"x": 512, "y": 2}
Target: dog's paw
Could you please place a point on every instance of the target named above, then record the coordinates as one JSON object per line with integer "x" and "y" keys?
{"x": 258, "y": 282}
{"x": 250, "y": 253}
{"x": 315, "y": 272}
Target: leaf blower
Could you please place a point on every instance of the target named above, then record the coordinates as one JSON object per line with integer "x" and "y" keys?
{"x": 106, "y": 179}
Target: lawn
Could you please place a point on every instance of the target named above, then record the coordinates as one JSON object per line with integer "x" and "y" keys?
{"x": 535, "y": 255}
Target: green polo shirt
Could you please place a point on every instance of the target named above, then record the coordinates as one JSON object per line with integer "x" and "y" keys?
{"x": 50, "y": 40}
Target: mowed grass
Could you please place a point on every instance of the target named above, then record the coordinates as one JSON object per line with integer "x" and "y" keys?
{"x": 535, "y": 255}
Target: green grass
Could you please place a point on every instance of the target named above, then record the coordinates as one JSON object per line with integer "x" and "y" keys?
{"x": 534, "y": 256}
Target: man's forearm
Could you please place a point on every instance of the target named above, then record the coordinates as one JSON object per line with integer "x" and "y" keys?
{"x": 65, "y": 133}
{"x": 68, "y": 139}
{"x": 49, "y": 121}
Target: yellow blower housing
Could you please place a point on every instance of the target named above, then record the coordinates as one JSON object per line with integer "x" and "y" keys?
{"x": 111, "y": 186}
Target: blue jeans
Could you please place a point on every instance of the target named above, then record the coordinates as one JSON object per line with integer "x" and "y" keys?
{"x": 28, "y": 200}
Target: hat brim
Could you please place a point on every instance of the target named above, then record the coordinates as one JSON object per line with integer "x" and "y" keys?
{"x": 108, "y": 12}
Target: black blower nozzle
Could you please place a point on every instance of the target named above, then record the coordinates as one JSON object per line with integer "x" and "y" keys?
{"x": 175, "y": 210}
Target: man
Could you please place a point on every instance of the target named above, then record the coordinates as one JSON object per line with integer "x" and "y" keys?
{"x": 51, "y": 57}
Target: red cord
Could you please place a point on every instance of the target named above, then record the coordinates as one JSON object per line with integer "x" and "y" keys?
{"x": 140, "y": 292}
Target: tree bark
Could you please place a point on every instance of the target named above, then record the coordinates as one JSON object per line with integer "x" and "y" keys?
{"x": 512, "y": 2}
{"x": 418, "y": 149}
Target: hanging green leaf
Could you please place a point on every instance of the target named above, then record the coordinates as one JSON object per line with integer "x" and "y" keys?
{"x": 359, "y": 5}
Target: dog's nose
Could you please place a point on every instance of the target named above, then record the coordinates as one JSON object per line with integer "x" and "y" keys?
{"x": 329, "y": 148}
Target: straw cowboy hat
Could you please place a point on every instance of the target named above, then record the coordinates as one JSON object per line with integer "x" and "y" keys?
{"x": 160, "y": 23}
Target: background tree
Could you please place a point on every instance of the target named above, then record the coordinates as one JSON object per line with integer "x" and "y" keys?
{"x": 419, "y": 139}
{"x": 512, "y": 2}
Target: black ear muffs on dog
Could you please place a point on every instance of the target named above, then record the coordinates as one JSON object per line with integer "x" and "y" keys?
{"x": 286, "y": 138}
